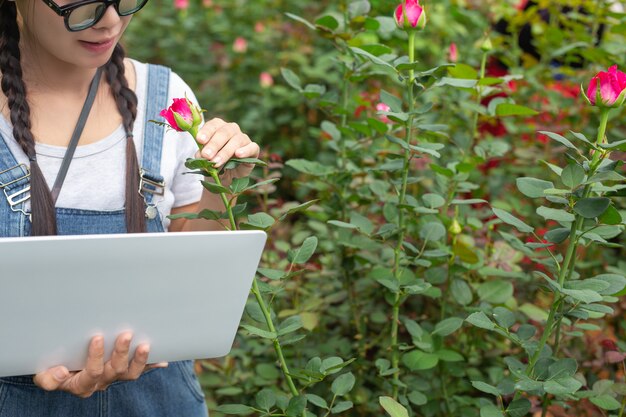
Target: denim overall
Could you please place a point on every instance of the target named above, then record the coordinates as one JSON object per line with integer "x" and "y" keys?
{"x": 172, "y": 391}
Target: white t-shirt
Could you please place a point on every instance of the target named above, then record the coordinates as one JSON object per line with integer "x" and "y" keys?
{"x": 96, "y": 177}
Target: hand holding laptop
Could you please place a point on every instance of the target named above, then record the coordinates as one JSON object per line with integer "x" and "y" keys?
{"x": 99, "y": 373}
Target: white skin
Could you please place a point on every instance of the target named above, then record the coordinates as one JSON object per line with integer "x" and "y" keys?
{"x": 57, "y": 70}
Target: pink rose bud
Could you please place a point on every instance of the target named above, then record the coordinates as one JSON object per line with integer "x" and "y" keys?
{"x": 240, "y": 45}
{"x": 453, "y": 53}
{"x": 182, "y": 115}
{"x": 266, "y": 80}
{"x": 607, "y": 89}
{"x": 410, "y": 15}
{"x": 181, "y": 4}
{"x": 383, "y": 107}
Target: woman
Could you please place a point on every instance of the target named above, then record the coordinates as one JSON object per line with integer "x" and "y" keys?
{"x": 52, "y": 56}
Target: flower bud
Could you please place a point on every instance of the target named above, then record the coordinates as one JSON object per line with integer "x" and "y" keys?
{"x": 410, "y": 15}
{"x": 455, "y": 228}
{"x": 607, "y": 88}
{"x": 182, "y": 115}
{"x": 486, "y": 45}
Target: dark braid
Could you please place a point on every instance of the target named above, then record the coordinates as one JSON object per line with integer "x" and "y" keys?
{"x": 13, "y": 87}
{"x": 126, "y": 101}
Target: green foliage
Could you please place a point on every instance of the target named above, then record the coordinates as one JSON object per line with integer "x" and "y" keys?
{"x": 458, "y": 252}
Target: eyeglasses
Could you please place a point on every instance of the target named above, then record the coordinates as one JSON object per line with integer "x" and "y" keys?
{"x": 84, "y": 14}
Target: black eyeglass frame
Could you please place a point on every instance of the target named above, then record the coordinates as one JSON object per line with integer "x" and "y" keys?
{"x": 65, "y": 11}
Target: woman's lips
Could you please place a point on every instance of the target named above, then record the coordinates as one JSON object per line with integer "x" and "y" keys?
{"x": 98, "y": 47}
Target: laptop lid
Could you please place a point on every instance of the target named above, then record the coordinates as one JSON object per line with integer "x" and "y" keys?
{"x": 184, "y": 293}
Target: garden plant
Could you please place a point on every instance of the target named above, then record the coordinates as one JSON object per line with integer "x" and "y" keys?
{"x": 442, "y": 185}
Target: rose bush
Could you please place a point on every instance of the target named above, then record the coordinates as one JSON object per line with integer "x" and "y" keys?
{"x": 456, "y": 246}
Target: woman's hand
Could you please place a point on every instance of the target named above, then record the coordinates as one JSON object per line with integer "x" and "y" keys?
{"x": 98, "y": 373}
{"x": 223, "y": 141}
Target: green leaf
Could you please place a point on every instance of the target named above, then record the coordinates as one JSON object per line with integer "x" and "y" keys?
{"x": 262, "y": 221}
{"x": 374, "y": 59}
{"x": 490, "y": 410}
{"x": 518, "y": 408}
{"x": 616, "y": 146}
{"x": 328, "y": 22}
{"x": 611, "y": 216}
{"x": 508, "y": 109}
{"x": 433, "y": 231}
{"x": 392, "y": 407}
{"x": 592, "y": 207}
{"x": 272, "y": 274}
{"x": 562, "y": 386}
{"x": 557, "y": 235}
{"x": 573, "y": 175}
{"x": 265, "y": 399}
{"x": 301, "y": 20}
{"x": 461, "y": 292}
{"x": 448, "y": 326}
{"x": 484, "y": 387}
{"x": 296, "y": 209}
{"x": 533, "y": 187}
{"x": 296, "y": 406}
{"x": 392, "y": 101}
{"x": 533, "y": 312}
{"x": 558, "y": 215}
{"x": 233, "y": 162}
{"x": 606, "y": 402}
{"x": 504, "y": 317}
{"x": 238, "y": 409}
{"x": 559, "y": 138}
{"x": 290, "y": 325}
{"x": 448, "y": 355}
{"x": 512, "y": 220}
{"x": 342, "y": 225}
{"x": 417, "y": 360}
{"x": 417, "y": 398}
{"x": 260, "y": 332}
{"x": 343, "y": 384}
{"x": 239, "y": 185}
{"x": 317, "y": 401}
{"x": 341, "y": 406}
{"x": 305, "y": 251}
{"x": 480, "y": 319}
{"x": 495, "y": 292}
{"x": 563, "y": 368}
{"x": 214, "y": 188}
{"x": 309, "y": 167}
{"x": 456, "y": 82}
{"x": 292, "y": 79}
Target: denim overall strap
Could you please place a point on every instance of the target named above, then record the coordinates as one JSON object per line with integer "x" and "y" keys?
{"x": 156, "y": 100}
{"x": 15, "y": 186}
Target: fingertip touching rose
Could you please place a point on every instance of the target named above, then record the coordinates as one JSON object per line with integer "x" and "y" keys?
{"x": 410, "y": 15}
{"x": 183, "y": 116}
{"x": 607, "y": 88}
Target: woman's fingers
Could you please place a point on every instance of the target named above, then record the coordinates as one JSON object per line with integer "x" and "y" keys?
{"x": 139, "y": 362}
{"x": 51, "y": 379}
{"x": 98, "y": 374}
{"x": 117, "y": 366}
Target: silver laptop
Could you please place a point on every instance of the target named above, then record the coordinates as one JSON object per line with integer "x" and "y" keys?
{"x": 184, "y": 293}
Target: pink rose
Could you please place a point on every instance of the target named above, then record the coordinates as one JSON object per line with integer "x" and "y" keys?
{"x": 240, "y": 45}
{"x": 383, "y": 107}
{"x": 182, "y": 115}
{"x": 181, "y": 4}
{"x": 266, "y": 80}
{"x": 453, "y": 53}
{"x": 410, "y": 15}
{"x": 607, "y": 89}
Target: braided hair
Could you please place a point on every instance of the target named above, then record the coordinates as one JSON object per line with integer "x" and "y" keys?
{"x": 14, "y": 88}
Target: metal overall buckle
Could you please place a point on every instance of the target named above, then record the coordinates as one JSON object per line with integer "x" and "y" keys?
{"x": 149, "y": 184}
{"x": 20, "y": 196}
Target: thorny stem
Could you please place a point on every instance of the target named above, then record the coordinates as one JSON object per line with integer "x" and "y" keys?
{"x": 395, "y": 355}
{"x": 567, "y": 268}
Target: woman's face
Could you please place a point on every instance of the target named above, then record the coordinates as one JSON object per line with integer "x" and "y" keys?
{"x": 46, "y": 37}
